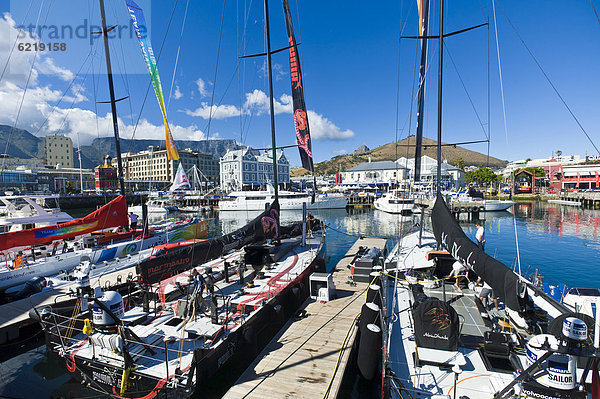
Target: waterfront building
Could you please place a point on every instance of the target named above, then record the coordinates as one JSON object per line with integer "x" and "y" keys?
{"x": 378, "y": 173}
{"x": 59, "y": 150}
{"x": 247, "y": 168}
{"x": 451, "y": 175}
{"x": 105, "y": 176}
{"x": 152, "y": 167}
{"x": 62, "y": 180}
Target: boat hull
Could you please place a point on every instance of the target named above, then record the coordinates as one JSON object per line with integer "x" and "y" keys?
{"x": 238, "y": 204}
{"x": 241, "y": 344}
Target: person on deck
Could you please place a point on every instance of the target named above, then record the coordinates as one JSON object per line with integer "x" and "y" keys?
{"x": 480, "y": 235}
{"x": 133, "y": 218}
{"x": 310, "y": 220}
{"x": 485, "y": 293}
{"x": 458, "y": 271}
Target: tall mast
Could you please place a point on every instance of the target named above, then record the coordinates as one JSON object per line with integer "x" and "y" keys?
{"x": 439, "y": 129}
{"x": 271, "y": 105}
{"x": 421, "y": 97}
{"x": 113, "y": 103}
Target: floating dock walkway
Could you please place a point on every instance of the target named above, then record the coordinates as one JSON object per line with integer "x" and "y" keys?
{"x": 307, "y": 358}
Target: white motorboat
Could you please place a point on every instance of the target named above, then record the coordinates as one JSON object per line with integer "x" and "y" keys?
{"x": 462, "y": 202}
{"x": 156, "y": 206}
{"x": 288, "y": 200}
{"x": 21, "y": 213}
{"x": 398, "y": 202}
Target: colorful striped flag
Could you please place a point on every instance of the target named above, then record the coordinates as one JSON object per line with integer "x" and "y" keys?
{"x": 141, "y": 30}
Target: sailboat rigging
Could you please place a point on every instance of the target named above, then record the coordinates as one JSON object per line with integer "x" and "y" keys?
{"x": 429, "y": 346}
{"x": 277, "y": 261}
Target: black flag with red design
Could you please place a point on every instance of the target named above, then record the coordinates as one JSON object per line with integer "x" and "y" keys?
{"x": 300, "y": 117}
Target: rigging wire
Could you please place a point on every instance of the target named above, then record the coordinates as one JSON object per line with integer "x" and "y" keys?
{"x": 465, "y": 89}
{"x": 500, "y": 71}
{"x": 94, "y": 87}
{"x": 177, "y": 56}
{"x": 124, "y": 75}
{"x": 14, "y": 126}
{"x": 548, "y": 79}
{"x": 595, "y": 12}
{"x": 15, "y": 42}
{"x": 65, "y": 92}
{"x": 150, "y": 79}
{"x": 212, "y": 96}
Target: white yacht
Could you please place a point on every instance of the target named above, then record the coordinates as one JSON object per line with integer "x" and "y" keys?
{"x": 156, "y": 206}
{"x": 462, "y": 202}
{"x": 20, "y": 213}
{"x": 397, "y": 201}
{"x": 288, "y": 200}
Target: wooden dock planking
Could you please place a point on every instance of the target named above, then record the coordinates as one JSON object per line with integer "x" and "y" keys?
{"x": 15, "y": 315}
{"x": 300, "y": 360}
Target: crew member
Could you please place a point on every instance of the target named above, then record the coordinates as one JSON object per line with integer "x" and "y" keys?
{"x": 310, "y": 220}
{"x": 486, "y": 291}
{"x": 458, "y": 271}
{"x": 133, "y": 220}
{"x": 480, "y": 235}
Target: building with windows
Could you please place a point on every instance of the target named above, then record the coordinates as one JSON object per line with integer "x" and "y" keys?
{"x": 380, "y": 172}
{"x": 242, "y": 169}
{"x": 106, "y": 177}
{"x": 59, "y": 150}
{"x": 152, "y": 167}
{"x": 451, "y": 175}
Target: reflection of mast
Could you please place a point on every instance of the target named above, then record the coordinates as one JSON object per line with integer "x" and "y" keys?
{"x": 113, "y": 102}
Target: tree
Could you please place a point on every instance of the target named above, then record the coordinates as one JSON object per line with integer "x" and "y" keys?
{"x": 558, "y": 153}
{"x": 482, "y": 175}
{"x": 459, "y": 163}
{"x": 537, "y": 171}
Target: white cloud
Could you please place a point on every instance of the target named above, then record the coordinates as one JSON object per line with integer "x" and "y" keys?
{"x": 202, "y": 87}
{"x": 340, "y": 152}
{"x": 48, "y": 67}
{"x": 178, "y": 94}
{"x": 323, "y": 128}
{"x": 216, "y": 111}
{"x": 258, "y": 102}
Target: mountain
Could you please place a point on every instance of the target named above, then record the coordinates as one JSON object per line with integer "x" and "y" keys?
{"x": 22, "y": 144}
{"x": 406, "y": 148}
{"x": 362, "y": 149}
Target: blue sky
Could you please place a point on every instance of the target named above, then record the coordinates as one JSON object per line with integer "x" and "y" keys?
{"x": 350, "y": 56}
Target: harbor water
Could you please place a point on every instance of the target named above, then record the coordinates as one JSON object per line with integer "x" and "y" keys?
{"x": 560, "y": 243}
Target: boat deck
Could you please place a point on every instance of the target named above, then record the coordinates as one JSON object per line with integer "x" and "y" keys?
{"x": 307, "y": 358}
{"x": 15, "y": 315}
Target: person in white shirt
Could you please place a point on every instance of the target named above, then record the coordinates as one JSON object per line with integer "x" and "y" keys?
{"x": 458, "y": 271}
{"x": 133, "y": 218}
{"x": 480, "y": 236}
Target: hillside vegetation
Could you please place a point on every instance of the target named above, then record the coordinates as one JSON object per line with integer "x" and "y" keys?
{"x": 391, "y": 152}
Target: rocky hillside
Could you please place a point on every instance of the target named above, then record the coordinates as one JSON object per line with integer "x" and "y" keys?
{"x": 391, "y": 152}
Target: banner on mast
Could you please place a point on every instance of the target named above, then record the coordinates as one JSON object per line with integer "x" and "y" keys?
{"x": 141, "y": 30}
{"x": 300, "y": 116}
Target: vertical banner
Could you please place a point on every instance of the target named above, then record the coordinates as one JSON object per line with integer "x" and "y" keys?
{"x": 300, "y": 117}
{"x": 139, "y": 22}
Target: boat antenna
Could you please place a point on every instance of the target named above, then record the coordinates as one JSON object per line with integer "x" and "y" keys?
{"x": 271, "y": 105}
{"x": 113, "y": 102}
